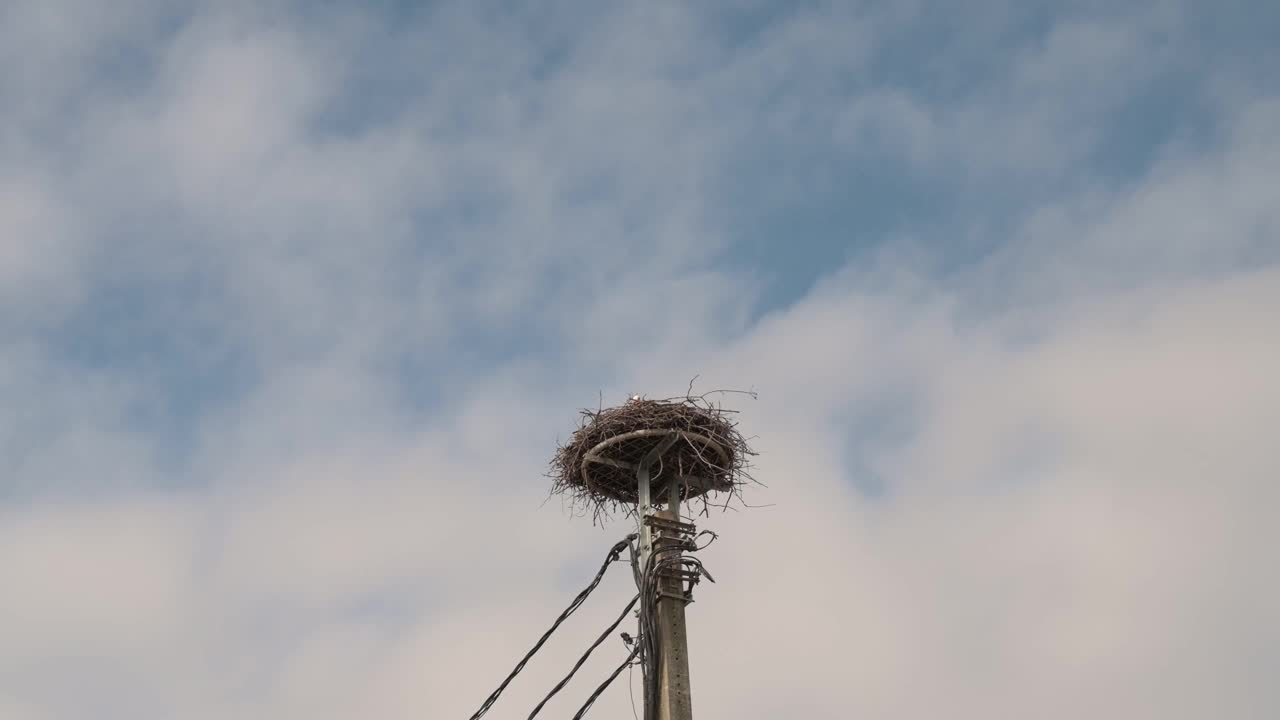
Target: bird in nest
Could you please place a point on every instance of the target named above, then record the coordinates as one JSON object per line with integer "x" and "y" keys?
{"x": 634, "y": 398}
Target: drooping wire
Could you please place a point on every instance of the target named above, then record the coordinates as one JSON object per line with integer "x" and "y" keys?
{"x": 614, "y": 553}
{"x": 650, "y": 642}
{"x": 663, "y": 557}
{"x": 647, "y": 647}
{"x": 605, "y": 685}
{"x": 631, "y": 689}
{"x": 603, "y": 636}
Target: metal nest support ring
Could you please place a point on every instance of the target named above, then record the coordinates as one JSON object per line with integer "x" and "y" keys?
{"x": 628, "y": 452}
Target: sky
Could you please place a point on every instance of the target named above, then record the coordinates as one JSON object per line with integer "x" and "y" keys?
{"x": 298, "y": 298}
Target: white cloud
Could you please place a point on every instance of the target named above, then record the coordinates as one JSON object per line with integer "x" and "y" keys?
{"x": 1072, "y": 436}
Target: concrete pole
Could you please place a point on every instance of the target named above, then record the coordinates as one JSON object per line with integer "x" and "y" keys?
{"x": 674, "y": 698}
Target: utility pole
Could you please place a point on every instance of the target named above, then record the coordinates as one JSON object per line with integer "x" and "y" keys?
{"x": 652, "y": 455}
{"x": 655, "y": 455}
{"x": 674, "y": 695}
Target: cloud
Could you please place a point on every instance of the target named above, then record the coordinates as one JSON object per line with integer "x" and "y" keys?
{"x": 297, "y": 306}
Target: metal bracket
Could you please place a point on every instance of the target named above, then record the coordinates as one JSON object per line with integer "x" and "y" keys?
{"x": 674, "y": 543}
{"x": 672, "y": 527}
{"x": 642, "y": 494}
{"x": 685, "y": 598}
{"x": 680, "y": 573}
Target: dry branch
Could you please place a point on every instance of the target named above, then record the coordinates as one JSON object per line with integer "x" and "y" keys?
{"x": 709, "y": 456}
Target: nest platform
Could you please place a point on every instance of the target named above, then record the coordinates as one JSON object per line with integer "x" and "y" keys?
{"x": 692, "y": 442}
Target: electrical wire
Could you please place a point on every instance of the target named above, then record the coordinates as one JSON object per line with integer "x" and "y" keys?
{"x": 663, "y": 557}
{"x": 660, "y": 558}
{"x": 603, "y": 636}
{"x": 631, "y": 689}
{"x": 647, "y": 648}
{"x": 614, "y": 553}
{"x": 605, "y": 685}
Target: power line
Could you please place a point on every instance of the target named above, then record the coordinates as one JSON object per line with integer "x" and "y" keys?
{"x": 631, "y": 689}
{"x": 603, "y": 636}
{"x": 605, "y": 685}
{"x": 614, "y": 553}
{"x": 646, "y": 649}
{"x": 665, "y": 557}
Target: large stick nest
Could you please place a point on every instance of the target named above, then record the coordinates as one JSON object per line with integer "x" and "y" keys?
{"x": 596, "y": 468}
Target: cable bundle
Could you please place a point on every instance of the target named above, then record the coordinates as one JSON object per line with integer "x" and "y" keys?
{"x": 666, "y": 556}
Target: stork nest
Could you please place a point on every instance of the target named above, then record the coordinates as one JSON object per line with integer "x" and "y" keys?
{"x": 596, "y": 468}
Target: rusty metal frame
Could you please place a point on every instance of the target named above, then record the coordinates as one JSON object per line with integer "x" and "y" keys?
{"x": 644, "y": 506}
{"x": 594, "y": 454}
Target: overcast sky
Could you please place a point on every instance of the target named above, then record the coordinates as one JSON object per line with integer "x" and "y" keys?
{"x": 297, "y": 298}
